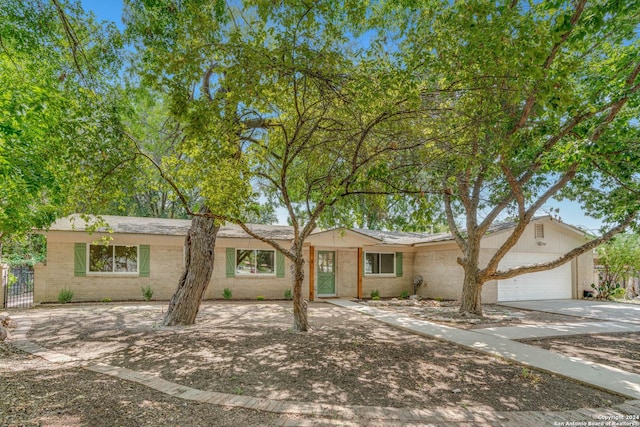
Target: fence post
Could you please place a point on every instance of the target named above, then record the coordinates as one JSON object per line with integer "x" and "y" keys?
{"x": 4, "y": 269}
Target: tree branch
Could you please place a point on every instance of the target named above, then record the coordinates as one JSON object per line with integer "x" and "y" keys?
{"x": 526, "y": 110}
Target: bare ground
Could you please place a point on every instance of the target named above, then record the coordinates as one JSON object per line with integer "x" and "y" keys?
{"x": 446, "y": 312}
{"x": 35, "y": 392}
{"x": 617, "y": 350}
{"x": 249, "y": 349}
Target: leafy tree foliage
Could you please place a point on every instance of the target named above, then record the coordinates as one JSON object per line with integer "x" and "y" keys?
{"x": 55, "y": 113}
{"x": 620, "y": 259}
{"x": 28, "y": 249}
{"x": 539, "y": 100}
{"x": 275, "y": 96}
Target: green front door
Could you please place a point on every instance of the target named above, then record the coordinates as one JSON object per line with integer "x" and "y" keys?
{"x": 326, "y": 273}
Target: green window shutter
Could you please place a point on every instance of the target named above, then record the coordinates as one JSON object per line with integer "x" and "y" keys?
{"x": 398, "y": 264}
{"x": 231, "y": 262}
{"x": 80, "y": 259}
{"x": 279, "y": 264}
{"x": 144, "y": 263}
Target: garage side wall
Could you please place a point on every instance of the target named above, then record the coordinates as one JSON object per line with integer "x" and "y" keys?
{"x": 584, "y": 273}
{"x": 443, "y": 276}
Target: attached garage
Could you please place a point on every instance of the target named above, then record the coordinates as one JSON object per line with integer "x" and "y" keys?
{"x": 550, "y": 284}
{"x": 544, "y": 239}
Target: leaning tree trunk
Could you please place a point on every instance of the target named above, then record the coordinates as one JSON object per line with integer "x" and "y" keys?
{"x": 300, "y": 320}
{"x": 199, "y": 247}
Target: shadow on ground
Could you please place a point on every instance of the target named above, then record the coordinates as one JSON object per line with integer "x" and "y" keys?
{"x": 348, "y": 359}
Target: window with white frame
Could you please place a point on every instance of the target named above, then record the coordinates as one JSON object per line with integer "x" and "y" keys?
{"x": 379, "y": 263}
{"x": 255, "y": 261}
{"x": 539, "y": 231}
{"x": 113, "y": 259}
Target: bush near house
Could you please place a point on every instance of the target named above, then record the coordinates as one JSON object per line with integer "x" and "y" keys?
{"x": 65, "y": 295}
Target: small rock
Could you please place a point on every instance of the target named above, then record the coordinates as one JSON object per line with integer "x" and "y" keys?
{"x": 456, "y": 391}
{"x": 7, "y": 322}
{"x": 414, "y": 297}
{"x": 475, "y": 321}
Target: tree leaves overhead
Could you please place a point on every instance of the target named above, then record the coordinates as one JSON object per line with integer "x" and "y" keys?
{"x": 272, "y": 87}
{"x": 54, "y": 63}
{"x": 536, "y": 100}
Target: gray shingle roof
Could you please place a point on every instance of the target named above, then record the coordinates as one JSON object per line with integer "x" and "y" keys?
{"x": 496, "y": 227}
{"x": 180, "y": 227}
{"x": 394, "y": 237}
{"x": 166, "y": 227}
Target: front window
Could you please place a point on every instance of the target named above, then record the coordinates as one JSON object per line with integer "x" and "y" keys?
{"x": 113, "y": 259}
{"x": 379, "y": 263}
{"x": 253, "y": 261}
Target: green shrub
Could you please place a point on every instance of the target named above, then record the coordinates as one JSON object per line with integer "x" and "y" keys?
{"x": 226, "y": 293}
{"x": 288, "y": 294}
{"x": 147, "y": 292}
{"x": 404, "y": 294}
{"x": 65, "y": 295}
{"x": 106, "y": 299}
{"x": 11, "y": 280}
{"x": 260, "y": 298}
{"x": 608, "y": 290}
{"x": 375, "y": 294}
{"x": 619, "y": 293}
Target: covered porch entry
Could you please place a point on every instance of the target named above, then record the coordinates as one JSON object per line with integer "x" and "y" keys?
{"x": 336, "y": 264}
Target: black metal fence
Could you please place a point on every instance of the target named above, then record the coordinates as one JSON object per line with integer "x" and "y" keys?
{"x": 17, "y": 287}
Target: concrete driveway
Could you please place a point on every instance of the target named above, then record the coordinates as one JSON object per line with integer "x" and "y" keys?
{"x": 601, "y": 310}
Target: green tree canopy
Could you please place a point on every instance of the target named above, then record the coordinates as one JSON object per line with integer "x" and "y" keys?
{"x": 538, "y": 100}
{"x": 276, "y": 97}
{"x": 56, "y": 109}
{"x": 620, "y": 258}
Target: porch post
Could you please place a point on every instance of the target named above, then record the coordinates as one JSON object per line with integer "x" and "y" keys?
{"x": 312, "y": 271}
{"x": 359, "y": 269}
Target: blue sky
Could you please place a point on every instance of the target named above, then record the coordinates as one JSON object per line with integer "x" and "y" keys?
{"x": 569, "y": 212}
{"x": 107, "y": 10}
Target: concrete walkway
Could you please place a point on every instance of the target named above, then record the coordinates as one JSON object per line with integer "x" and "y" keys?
{"x": 558, "y": 329}
{"x": 318, "y": 414}
{"x": 601, "y": 376}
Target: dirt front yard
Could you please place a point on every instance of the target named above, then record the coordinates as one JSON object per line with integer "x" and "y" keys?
{"x": 620, "y": 351}
{"x": 249, "y": 349}
{"x": 34, "y": 392}
{"x": 446, "y": 313}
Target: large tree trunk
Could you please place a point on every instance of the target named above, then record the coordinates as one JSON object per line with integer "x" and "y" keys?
{"x": 300, "y": 320}
{"x": 199, "y": 247}
{"x": 470, "y": 302}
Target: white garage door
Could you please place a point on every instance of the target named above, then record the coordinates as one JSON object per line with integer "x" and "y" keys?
{"x": 550, "y": 284}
